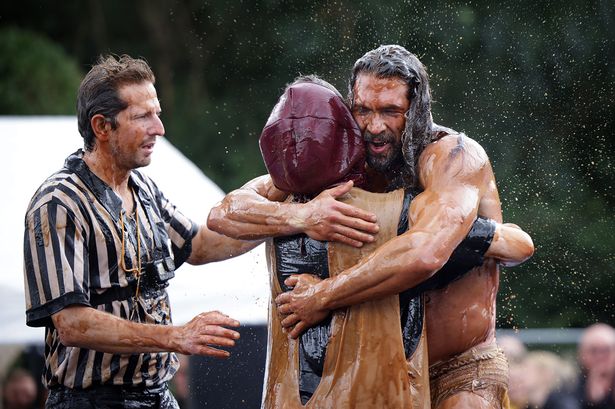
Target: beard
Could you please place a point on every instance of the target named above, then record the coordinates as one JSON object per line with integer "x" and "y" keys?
{"x": 125, "y": 158}
{"x": 392, "y": 159}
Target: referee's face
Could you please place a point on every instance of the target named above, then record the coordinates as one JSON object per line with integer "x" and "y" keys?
{"x": 132, "y": 142}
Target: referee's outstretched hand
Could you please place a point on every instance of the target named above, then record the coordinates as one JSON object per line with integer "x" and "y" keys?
{"x": 206, "y": 330}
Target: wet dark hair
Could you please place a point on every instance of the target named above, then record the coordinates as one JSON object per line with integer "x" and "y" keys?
{"x": 98, "y": 92}
{"x": 394, "y": 61}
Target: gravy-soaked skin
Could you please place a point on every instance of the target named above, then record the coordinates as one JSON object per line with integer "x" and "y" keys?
{"x": 457, "y": 178}
{"x": 463, "y": 311}
{"x": 101, "y": 243}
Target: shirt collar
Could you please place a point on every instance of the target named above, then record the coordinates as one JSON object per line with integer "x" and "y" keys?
{"x": 103, "y": 192}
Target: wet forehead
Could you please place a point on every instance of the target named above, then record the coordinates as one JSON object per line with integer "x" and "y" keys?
{"x": 140, "y": 96}
{"x": 377, "y": 93}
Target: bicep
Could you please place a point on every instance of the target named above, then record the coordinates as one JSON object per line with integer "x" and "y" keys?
{"x": 454, "y": 175}
{"x": 439, "y": 220}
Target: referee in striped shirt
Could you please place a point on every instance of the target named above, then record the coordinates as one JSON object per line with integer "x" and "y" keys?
{"x": 101, "y": 242}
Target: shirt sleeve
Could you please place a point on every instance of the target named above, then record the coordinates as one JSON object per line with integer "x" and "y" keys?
{"x": 56, "y": 272}
{"x": 181, "y": 229}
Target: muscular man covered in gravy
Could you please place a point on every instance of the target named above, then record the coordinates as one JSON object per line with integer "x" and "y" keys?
{"x": 390, "y": 100}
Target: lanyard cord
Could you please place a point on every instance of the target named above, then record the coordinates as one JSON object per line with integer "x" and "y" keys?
{"x": 136, "y": 270}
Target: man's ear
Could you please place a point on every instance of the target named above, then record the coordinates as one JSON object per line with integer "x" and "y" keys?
{"x": 100, "y": 126}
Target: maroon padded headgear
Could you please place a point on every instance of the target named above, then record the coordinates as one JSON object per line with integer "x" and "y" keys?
{"x": 311, "y": 141}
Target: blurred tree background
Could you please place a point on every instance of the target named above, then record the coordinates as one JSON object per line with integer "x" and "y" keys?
{"x": 532, "y": 81}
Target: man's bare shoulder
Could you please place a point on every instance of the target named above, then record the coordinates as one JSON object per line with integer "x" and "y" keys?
{"x": 455, "y": 155}
{"x": 453, "y": 145}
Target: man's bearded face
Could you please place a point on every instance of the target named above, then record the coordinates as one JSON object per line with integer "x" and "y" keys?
{"x": 379, "y": 107}
{"x": 383, "y": 151}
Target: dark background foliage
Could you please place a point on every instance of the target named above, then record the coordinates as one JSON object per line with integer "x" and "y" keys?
{"x": 532, "y": 81}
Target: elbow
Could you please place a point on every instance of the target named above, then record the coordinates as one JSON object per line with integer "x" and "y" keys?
{"x": 73, "y": 325}
{"x": 431, "y": 266}
{"x": 218, "y": 222}
{"x": 66, "y": 333}
{"x": 214, "y": 220}
{"x": 527, "y": 249}
{"x": 523, "y": 251}
{"x": 426, "y": 266}
{"x": 421, "y": 259}
{"x": 434, "y": 257}
{"x": 67, "y": 337}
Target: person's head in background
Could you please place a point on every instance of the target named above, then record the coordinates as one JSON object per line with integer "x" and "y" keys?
{"x": 596, "y": 351}
{"x": 19, "y": 390}
{"x": 515, "y": 352}
{"x": 513, "y": 348}
{"x": 311, "y": 141}
{"x": 544, "y": 373}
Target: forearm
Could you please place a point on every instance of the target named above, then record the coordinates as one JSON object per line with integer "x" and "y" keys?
{"x": 511, "y": 245}
{"x": 412, "y": 269}
{"x": 405, "y": 261}
{"x": 244, "y": 214}
{"x": 87, "y": 327}
{"x": 257, "y": 212}
{"x": 400, "y": 264}
{"x": 455, "y": 176}
{"x": 209, "y": 246}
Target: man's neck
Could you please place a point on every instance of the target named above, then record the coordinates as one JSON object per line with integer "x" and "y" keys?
{"x": 380, "y": 182}
{"x": 101, "y": 163}
{"x": 376, "y": 181}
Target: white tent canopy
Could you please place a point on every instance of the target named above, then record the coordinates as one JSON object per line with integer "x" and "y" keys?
{"x": 35, "y": 147}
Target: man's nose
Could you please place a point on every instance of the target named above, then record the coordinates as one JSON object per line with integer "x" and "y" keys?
{"x": 375, "y": 124}
{"x": 158, "y": 126}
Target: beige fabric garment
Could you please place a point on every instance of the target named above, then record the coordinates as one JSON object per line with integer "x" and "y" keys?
{"x": 481, "y": 370}
{"x": 365, "y": 365}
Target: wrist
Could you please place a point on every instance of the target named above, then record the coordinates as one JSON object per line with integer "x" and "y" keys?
{"x": 170, "y": 338}
{"x": 298, "y": 217}
{"x": 323, "y": 295}
{"x": 163, "y": 337}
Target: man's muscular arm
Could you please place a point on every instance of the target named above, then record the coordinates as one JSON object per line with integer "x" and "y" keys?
{"x": 455, "y": 173}
{"x": 256, "y": 211}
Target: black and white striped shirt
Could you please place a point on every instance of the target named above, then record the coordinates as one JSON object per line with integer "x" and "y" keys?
{"x": 72, "y": 247}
